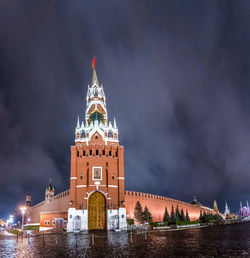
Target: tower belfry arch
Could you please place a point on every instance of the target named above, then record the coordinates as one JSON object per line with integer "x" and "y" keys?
{"x": 97, "y": 167}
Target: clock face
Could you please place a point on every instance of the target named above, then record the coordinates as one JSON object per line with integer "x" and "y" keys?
{"x": 96, "y": 116}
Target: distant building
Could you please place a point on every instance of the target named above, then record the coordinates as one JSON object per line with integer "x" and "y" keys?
{"x": 28, "y": 200}
{"x": 244, "y": 212}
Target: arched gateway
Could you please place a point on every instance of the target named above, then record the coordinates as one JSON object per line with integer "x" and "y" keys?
{"x": 97, "y": 218}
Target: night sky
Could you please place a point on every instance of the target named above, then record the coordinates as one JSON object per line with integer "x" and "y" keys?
{"x": 176, "y": 77}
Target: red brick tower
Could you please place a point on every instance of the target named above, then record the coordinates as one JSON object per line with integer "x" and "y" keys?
{"x": 97, "y": 168}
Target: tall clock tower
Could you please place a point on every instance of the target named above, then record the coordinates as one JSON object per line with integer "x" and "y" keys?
{"x": 97, "y": 168}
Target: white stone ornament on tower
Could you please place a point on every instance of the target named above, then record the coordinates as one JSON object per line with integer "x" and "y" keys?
{"x": 78, "y": 123}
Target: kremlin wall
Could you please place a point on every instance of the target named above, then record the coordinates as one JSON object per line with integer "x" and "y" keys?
{"x": 97, "y": 198}
{"x": 157, "y": 204}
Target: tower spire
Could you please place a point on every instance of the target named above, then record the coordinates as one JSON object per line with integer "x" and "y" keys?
{"x": 94, "y": 80}
{"x": 50, "y": 184}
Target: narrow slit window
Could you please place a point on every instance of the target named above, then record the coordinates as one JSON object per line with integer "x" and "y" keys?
{"x": 83, "y": 154}
{"x": 103, "y": 152}
{"x": 110, "y": 153}
{"x": 90, "y": 152}
{"x": 97, "y": 152}
{"x": 77, "y": 153}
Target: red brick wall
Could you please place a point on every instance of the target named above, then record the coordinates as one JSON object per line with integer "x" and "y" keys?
{"x": 156, "y": 205}
{"x": 60, "y": 202}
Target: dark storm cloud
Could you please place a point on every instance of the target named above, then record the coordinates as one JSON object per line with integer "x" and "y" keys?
{"x": 175, "y": 77}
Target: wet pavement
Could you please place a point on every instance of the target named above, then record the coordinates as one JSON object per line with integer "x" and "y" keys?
{"x": 216, "y": 241}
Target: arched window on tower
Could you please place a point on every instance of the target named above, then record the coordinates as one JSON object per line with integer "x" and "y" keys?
{"x": 95, "y": 92}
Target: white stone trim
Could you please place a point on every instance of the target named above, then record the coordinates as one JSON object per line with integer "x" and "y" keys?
{"x": 105, "y": 185}
{"x": 120, "y": 178}
{"x": 73, "y": 177}
{"x": 105, "y": 194}
{"x": 45, "y": 228}
{"x": 81, "y": 186}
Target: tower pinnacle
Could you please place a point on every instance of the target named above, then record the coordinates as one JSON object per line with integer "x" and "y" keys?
{"x": 78, "y": 123}
{"x": 94, "y": 80}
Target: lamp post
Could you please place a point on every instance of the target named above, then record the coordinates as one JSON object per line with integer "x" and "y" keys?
{"x": 23, "y": 209}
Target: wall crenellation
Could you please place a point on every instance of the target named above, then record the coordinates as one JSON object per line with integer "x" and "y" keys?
{"x": 61, "y": 195}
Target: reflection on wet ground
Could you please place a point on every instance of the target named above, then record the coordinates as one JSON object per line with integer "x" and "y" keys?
{"x": 217, "y": 241}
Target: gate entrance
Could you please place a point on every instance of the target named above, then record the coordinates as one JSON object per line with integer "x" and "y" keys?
{"x": 77, "y": 223}
{"x": 97, "y": 218}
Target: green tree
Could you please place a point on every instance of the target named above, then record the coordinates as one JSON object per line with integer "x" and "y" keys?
{"x": 172, "y": 215}
{"x": 187, "y": 216}
{"x": 147, "y": 216}
{"x": 166, "y": 215}
{"x": 138, "y": 213}
{"x": 200, "y": 218}
{"x": 204, "y": 218}
{"x": 182, "y": 217}
{"x": 177, "y": 213}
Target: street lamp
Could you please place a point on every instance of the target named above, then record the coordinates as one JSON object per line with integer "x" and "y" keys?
{"x": 23, "y": 209}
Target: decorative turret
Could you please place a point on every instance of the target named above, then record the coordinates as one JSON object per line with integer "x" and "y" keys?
{"x": 28, "y": 200}
{"x": 78, "y": 123}
{"x": 244, "y": 212}
{"x": 227, "y": 210}
{"x": 49, "y": 193}
{"x": 216, "y": 207}
{"x": 96, "y": 116}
